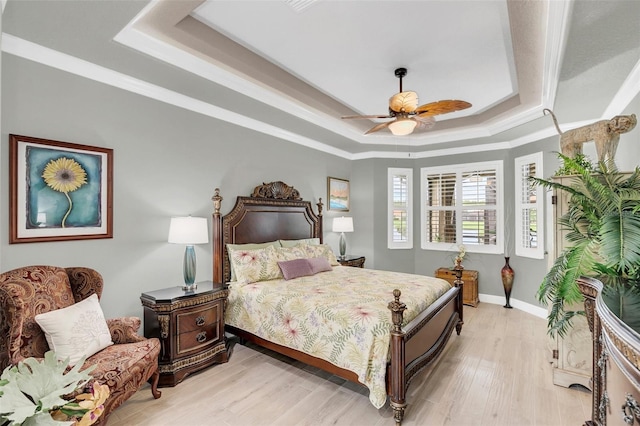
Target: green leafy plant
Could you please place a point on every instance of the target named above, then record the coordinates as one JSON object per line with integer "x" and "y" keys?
{"x": 603, "y": 232}
{"x": 581, "y": 162}
{"x": 33, "y": 393}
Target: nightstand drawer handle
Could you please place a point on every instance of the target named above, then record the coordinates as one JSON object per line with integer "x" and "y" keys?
{"x": 201, "y": 337}
{"x": 200, "y": 321}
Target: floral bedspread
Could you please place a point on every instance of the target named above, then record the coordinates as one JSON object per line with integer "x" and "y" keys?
{"x": 340, "y": 316}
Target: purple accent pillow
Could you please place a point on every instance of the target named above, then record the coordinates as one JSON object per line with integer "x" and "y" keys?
{"x": 295, "y": 268}
{"x": 319, "y": 264}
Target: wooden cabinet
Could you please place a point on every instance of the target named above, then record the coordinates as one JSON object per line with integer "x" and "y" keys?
{"x": 190, "y": 326}
{"x": 470, "y": 286}
{"x": 355, "y": 261}
{"x": 616, "y": 366}
{"x": 570, "y": 355}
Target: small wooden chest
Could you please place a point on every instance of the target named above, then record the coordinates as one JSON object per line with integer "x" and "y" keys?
{"x": 470, "y": 287}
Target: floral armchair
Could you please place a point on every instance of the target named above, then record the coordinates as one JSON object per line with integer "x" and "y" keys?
{"x": 26, "y": 292}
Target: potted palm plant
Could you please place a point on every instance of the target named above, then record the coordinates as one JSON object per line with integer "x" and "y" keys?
{"x": 603, "y": 232}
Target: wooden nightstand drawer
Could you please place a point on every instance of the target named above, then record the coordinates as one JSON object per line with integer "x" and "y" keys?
{"x": 198, "y": 339}
{"x": 197, "y": 319}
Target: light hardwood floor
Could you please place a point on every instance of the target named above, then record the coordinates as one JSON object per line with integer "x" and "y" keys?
{"x": 494, "y": 373}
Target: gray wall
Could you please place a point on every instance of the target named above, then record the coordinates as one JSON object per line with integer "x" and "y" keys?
{"x": 3, "y": 175}
{"x": 168, "y": 162}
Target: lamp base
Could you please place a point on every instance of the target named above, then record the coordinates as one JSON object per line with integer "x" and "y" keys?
{"x": 189, "y": 268}
{"x": 190, "y": 287}
{"x": 343, "y": 245}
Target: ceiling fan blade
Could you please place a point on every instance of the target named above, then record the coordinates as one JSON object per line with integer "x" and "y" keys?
{"x": 424, "y": 123}
{"x": 404, "y": 102}
{"x": 378, "y": 127}
{"x": 347, "y": 117}
{"x": 441, "y": 107}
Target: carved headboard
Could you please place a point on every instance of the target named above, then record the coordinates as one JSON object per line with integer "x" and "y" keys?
{"x": 274, "y": 211}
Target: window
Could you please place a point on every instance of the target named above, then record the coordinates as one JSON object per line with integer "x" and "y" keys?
{"x": 400, "y": 232}
{"x": 461, "y": 205}
{"x": 528, "y": 207}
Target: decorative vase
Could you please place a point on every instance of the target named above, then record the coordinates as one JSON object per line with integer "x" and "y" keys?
{"x": 507, "y": 280}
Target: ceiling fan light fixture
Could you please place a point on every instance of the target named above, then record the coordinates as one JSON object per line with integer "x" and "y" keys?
{"x": 402, "y": 126}
{"x": 403, "y": 106}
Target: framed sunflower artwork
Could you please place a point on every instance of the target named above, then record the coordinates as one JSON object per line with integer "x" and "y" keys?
{"x": 59, "y": 191}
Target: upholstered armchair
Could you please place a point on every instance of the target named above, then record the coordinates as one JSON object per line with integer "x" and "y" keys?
{"x": 26, "y": 292}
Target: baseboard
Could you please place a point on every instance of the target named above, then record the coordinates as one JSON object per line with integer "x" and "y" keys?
{"x": 534, "y": 310}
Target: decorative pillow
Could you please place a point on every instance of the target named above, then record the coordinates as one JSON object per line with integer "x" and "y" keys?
{"x": 76, "y": 331}
{"x": 321, "y": 250}
{"x": 291, "y": 253}
{"x": 295, "y": 268}
{"x": 255, "y": 265}
{"x": 319, "y": 264}
{"x": 235, "y": 247}
{"x": 293, "y": 243}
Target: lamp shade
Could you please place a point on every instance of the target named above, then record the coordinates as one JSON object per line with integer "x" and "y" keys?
{"x": 343, "y": 224}
{"x": 188, "y": 230}
{"x": 402, "y": 126}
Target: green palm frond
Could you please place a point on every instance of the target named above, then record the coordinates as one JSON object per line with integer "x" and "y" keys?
{"x": 602, "y": 227}
{"x": 620, "y": 241}
{"x": 559, "y": 288}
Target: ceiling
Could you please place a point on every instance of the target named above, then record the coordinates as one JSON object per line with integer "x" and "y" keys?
{"x": 292, "y": 68}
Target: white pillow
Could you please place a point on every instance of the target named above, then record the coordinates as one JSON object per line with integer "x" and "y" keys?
{"x": 292, "y": 243}
{"x": 76, "y": 331}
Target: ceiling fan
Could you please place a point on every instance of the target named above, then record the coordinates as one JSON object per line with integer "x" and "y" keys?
{"x": 407, "y": 115}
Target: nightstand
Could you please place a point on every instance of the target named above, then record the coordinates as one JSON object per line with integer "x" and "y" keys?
{"x": 355, "y": 261}
{"x": 469, "y": 286}
{"x": 190, "y": 326}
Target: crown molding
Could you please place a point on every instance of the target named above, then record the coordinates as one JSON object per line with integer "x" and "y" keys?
{"x": 64, "y": 62}
{"x": 49, "y": 57}
{"x": 134, "y": 36}
{"x": 558, "y": 16}
{"x": 627, "y": 92}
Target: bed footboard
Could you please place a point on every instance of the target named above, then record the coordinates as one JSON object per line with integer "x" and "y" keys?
{"x": 419, "y": 344}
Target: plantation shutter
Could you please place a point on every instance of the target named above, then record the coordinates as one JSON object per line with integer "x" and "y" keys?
{"x": 441, "y": 203}
{"x": 479, "y": 202}
{"x": 528, "y": 205}
{"x": 400, "y": 208}
{"x": 462, "y": 205}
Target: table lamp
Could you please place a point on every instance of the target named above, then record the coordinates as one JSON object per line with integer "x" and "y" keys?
{"x": 189, "y": 230}
{"x": 342, "y": 225}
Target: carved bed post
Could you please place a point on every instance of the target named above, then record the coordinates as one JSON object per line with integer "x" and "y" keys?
{"x": 460, "y": 284}
{"x": 397, "y": 381}
{"x": 218, "y": 258}
{"x": 320, "y": 232}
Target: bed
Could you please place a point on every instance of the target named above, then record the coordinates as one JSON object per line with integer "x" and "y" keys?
{"x": 274, "y": 212}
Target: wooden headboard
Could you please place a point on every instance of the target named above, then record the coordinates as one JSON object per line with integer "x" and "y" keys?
{"x": 274, "y": 211}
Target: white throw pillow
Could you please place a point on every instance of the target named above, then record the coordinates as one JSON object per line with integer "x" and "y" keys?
{"x": 76, "y": 331}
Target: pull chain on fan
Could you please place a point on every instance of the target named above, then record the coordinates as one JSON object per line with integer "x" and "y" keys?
{"x": 408, "y": 116}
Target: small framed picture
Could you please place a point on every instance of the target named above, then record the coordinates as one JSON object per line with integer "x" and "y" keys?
{"x": 59, "y": 191}
{"x": 338, "y": 194}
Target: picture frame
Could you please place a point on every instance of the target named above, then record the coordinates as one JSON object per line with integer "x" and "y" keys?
{"x": 338, "y": 194}
{"x": 59, "y": 191}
